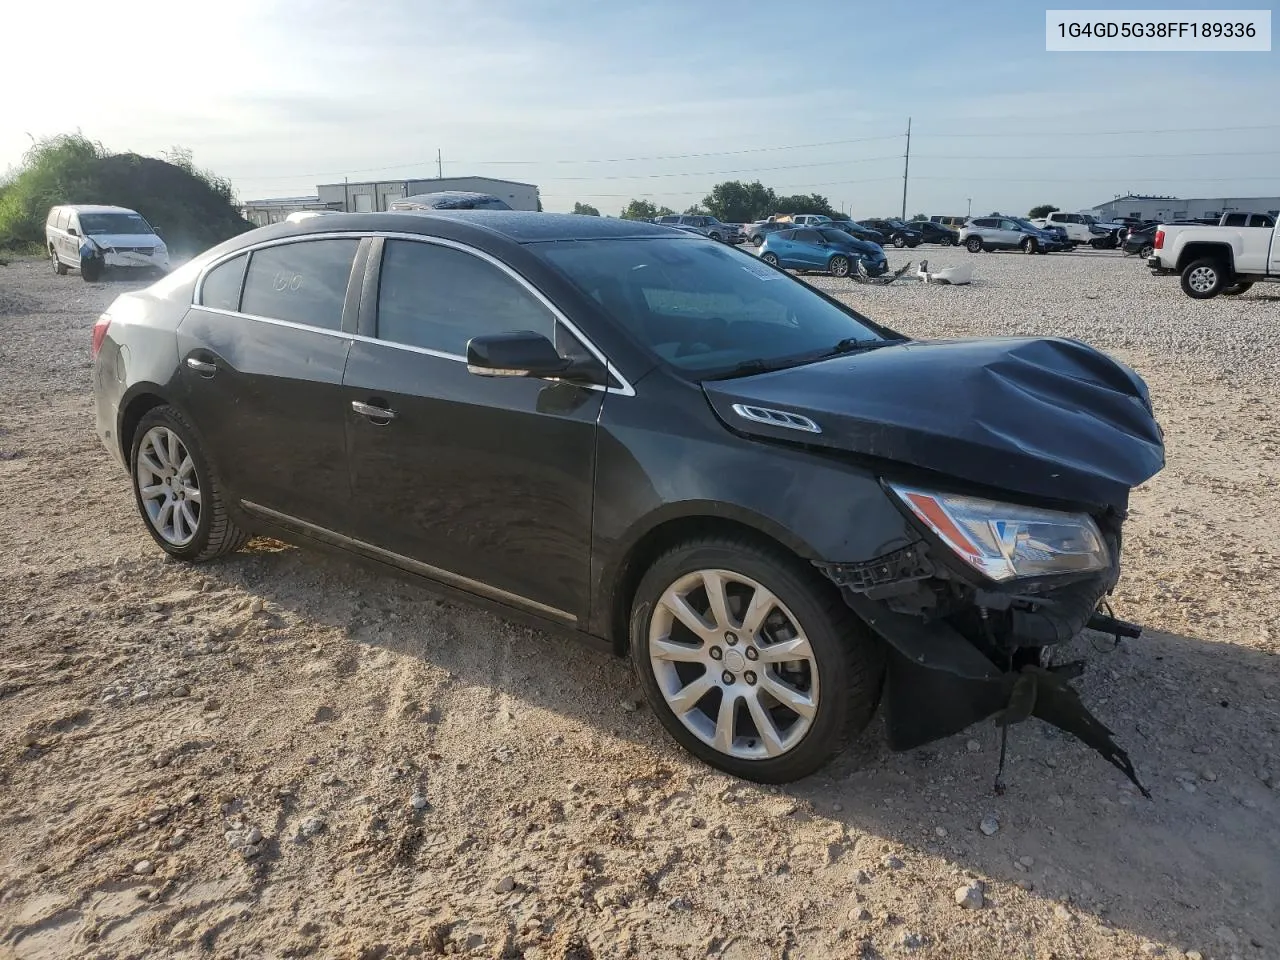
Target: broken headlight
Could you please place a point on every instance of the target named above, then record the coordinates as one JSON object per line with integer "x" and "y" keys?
{"x": 1006, "y": 540}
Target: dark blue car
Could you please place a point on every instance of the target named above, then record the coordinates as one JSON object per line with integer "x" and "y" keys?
{"x": 827, "y": 249}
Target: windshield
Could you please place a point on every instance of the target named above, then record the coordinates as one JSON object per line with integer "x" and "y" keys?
{"x": 898, "y": 225}
{"x": 98, "y": 223}
{"x": 704, "y": 308}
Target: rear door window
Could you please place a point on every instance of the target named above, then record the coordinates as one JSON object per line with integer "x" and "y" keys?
{"x": 302, "y": 282}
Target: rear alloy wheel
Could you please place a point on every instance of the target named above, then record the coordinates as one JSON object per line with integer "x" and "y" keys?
{"x": 1147, "y": 251}
{"x": 973, "y": 244}
{"x": 59, "y": 267}
{"x": 770, "y": 258}
{"x": 1029, "y": 245}
{"x": 1203, "y": 279}
{"x": 176, "y": 491}
{"x": 757, "y": 240}
{"x": 751, "y": 660}
{"x": 838, "y": 266}
{"x": 1237, "y": 288}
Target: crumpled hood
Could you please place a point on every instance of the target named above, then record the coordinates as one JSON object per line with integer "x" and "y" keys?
{"x": 1045, "y": 417}
{"x": 108, "y": 240}
{"x": 864, "y": 248}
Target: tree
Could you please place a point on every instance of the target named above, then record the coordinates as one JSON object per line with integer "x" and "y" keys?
{"x": 919, "y": 216}
{"x": 1042, "y": 211}
{"x": 644, "y": 210}
{"x": 807, "y": 203}
{"x": 586, "y": 209}
{"x": 736, "y": 202}
{"x": 695, "y": 211}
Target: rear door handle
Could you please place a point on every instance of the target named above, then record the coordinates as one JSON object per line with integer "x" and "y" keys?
{"x": 372, "y": 411}
{"x": 202, "y": 367}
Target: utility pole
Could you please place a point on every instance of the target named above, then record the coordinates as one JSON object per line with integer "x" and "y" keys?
{"x": 969, "y": 212}
{"x": 906, "y": 166}
{"x": 439, "y": 165}
{"x": 346, "y": 196}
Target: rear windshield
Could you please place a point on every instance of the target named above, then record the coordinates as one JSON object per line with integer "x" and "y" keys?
{"x": 98, "y": 223}
{"x": 702, "y": 307}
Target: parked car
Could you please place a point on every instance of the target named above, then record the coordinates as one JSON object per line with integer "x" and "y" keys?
{"x": 953, "y": 222}
{"x": 1114, "y": 233}
{"x": 1077, "y": 228}
{"x": 858, "y": 231}
{"x": 1240, "y": 219}
{"x": 649, "y": 442}
{"x": 756, "y": 232}
{"x": 931, "y": 232}
{"x": 1221, "y": 259}
{"x": 806, "y": 219}
{"x": 1006, "y": 233}
{"x": 92, "y": 237}
{"x": 896, "y": 232}
{"x": 822, "y": 248}
{"x": 449, "y": 200}
{"x": 709, "y": 226}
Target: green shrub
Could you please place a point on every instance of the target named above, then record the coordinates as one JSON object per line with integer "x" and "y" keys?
{"x": 193, "y": 208}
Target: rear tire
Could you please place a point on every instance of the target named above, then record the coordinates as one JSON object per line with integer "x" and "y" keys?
{"x": 59, "y": 267}
{"x": 1204, "y": 279}
{"x": 91, "y": 269}
{"x": 215, "y": 533}
{"x": 836, "y": 676}
{"x": 757, "y": 240}
{"x": 838, "y": 266}
{"x": 899, "y": 242}
{"x": 1146, "y": 251}
{"x": 770, "y": 258}
{"x": 973, "y": 244}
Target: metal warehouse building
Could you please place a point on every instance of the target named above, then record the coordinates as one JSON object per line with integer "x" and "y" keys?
{"x": 378, "y": 195}
{"x": 1175, "y": 208}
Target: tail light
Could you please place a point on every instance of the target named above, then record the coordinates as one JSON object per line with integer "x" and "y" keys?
{"x": 100, "y": 333}
{"x": 1159, "y": 243}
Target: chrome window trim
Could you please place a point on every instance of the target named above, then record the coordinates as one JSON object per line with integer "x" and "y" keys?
{"x": 625, "y": 389}
{"x": 426, "y": 569}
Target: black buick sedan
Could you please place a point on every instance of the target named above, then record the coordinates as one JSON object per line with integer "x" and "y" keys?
{"x": 778, "y": 508}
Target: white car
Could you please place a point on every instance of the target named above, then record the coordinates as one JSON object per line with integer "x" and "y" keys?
{"x": 90, "y": 238}
{"x": 1214, "y": 260}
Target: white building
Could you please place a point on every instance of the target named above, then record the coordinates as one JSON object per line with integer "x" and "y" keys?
{"x": 262, "y": 212}
{"x": 372, "y": 195}
{"x": 1175, "y": 208}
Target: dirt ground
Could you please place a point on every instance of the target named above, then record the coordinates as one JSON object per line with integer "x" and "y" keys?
{"x": 430, "y": 780}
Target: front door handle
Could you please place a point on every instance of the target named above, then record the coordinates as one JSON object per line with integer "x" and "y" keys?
{"x": 372, "y": 411}
{"x": 202, "y": 367}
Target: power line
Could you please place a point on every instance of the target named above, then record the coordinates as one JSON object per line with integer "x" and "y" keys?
{"x": 1112, "y": 133}
{"x": 720, "y": 173}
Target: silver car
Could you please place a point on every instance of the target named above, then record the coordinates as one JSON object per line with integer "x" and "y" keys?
{"x": 707, "y": 226}
{"x": 1005, "y": 233}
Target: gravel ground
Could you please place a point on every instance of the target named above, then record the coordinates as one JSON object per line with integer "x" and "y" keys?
{"x": 283, "y": 755}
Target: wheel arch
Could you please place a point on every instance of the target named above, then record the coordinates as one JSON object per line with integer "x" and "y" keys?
{"x": 659, "y": 533}
{"x": 141, "y": 399}
{"x": 1202, "y": 250}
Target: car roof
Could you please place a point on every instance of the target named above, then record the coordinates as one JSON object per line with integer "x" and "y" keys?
{"x": 95, "y": 208}
{"x": 518, "y": 226}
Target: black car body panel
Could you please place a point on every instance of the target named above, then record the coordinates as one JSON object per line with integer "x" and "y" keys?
{"x": 547, "y": 498}
{"x": 1044, "y": 418}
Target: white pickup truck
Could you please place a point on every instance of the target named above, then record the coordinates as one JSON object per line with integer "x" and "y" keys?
{"x": 1079, "y": 229}
{"x": 1214, "y": 260}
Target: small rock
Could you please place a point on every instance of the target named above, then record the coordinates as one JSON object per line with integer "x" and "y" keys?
{"x": 892, "y": 862}
{"x": 861, "y": 877}
{"x": 837, "y": 808}
{"x": 178, "y": 839}
{"x": 1055, "y": 800}
{"x": 989, "y": 825}
{"x": 255, "y": 606}
{"x": 630, "y": 706}
{"x": 419, "y": 802}
{"x": 212, "y": 704}
{"x": 973, "y": 746}
{"x": 1200, "y": 749}
{"x": 1195, "y": 955}
{"x": 680, "y": 904}
{"x": 505, "y": 885}
{"x": 311, "y": 826}
{"x": 1149, "y": 949}
{"x": 1062, "y": 913}
{"x": 254, "y": 836}
{"x": 861, "y": 915}
{"x": 236, "y": 838}
{"x": 555, "y": 740}
{"x": 192, "y": 796}
{"x": 144, "y": 867}
{"x": 1027, "y": 862}
{"x": 181, "y": 690}
{"x": 1208, "y": 775}
{"x": 910, "y": 940}
{"x": 1188, "y": 786}
{"x": 697, "y": 823}
{"x": 940, "y": 831}
{"x": 970, "y": 897}
{"x": 1026, "y": 884}
{"x": 250, "y": 850}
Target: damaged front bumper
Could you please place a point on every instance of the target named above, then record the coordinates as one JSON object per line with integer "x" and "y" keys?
{"x": 962, "y": 651}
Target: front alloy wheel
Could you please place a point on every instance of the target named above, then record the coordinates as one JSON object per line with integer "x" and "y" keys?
{"x": 973, "y": 244}
{"x": 770, "y": 258}
{"x": 751, "y": 659}
{"x": 839, "y": 266}
{"x": 1204, "y": 279}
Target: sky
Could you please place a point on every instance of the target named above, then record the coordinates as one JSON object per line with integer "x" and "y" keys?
{"x": 600, "y": 101}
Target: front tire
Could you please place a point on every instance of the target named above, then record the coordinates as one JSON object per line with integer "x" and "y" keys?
{"x": 177, "y": 491}
{"x": 1029, "y": 245}
{"x": 838, "y": 266}
{"x": 91, "y": 269}
{"x": 1204, "y": 279}
{"x": 899, "y": 242}
{"x": 751, "y": 660}
{"x": 757, "y": 240}
{"x": 973, "y": 244}
{"x": 770, "y": 258}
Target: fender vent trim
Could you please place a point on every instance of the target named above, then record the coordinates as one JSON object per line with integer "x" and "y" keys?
{"x": 775, "y": 418}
